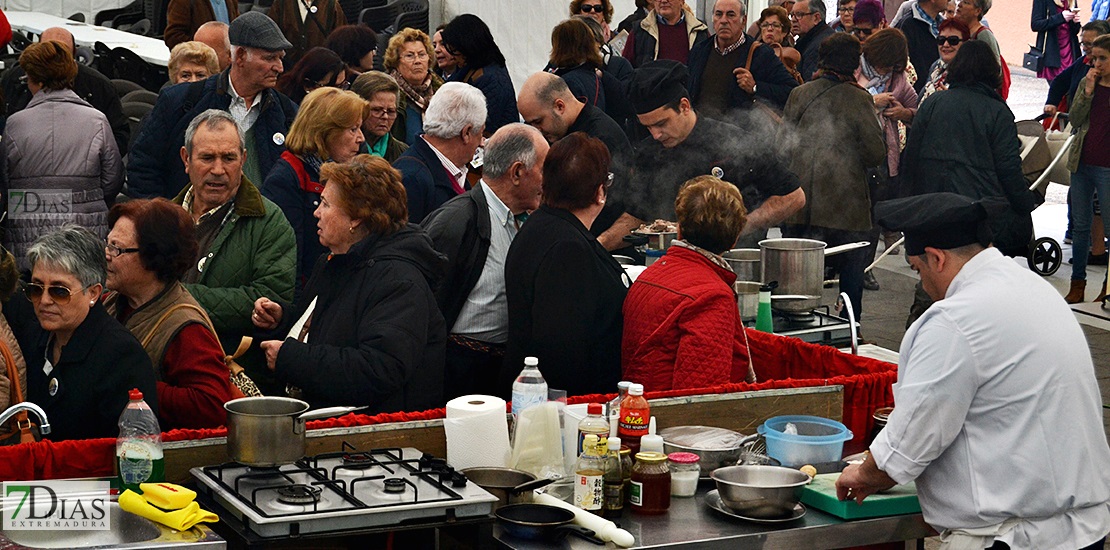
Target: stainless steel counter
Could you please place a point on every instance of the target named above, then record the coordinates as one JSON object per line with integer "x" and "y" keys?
{"x": 690, "y": 523}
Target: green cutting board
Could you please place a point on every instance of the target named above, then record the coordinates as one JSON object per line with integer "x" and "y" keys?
{"x": 821, "y": 494}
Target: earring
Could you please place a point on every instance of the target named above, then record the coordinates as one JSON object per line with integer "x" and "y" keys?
{"x": 92, "y": 303}
{"x": 352, "y": 230}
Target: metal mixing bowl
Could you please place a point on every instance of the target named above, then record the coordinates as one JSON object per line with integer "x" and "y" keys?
{"x": 763, "y": 492}
{"x": 717, "y": 447}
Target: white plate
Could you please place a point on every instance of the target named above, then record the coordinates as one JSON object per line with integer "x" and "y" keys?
{"x": 713, "y": 499}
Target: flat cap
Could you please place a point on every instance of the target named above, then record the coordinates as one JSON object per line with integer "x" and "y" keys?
{"x": 657, "y": 83}
{"x": 940, "y": 220}
{"x": 255, "y": 30}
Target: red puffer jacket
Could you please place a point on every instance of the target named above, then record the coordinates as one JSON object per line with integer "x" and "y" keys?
{"x": 682, "y": 327}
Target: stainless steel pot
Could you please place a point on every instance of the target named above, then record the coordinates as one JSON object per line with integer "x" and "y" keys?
{"x": 747, "y": 299}
{"x": 799, "y": 267}
{"x": 508, "y": 485}
{"x": 745, "y": 262}
{"x": 658, "y": 241}
{"x": 269, "y": 431}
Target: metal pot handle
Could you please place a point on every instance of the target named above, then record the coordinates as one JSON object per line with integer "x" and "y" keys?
{"x": 326, "y": 412}
{"x": 845, "y": 248}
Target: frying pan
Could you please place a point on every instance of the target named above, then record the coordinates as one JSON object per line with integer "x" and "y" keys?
{"x": 541, "y": 522}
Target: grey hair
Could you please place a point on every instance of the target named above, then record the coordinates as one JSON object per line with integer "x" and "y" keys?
{"x": 816, "y": 6}
{"x": 72, "y": 249}
{"x": 743, "y": 7}
{"x": 510, "y": 144}
{"x": 554, "y": 88}
{"x": 212, "y": 120}
{"x": 453, "y": 107}
{"x": 984, "y": 5}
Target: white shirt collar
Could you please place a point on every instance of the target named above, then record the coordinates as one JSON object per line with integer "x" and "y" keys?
{"x": 458, "y": 173}
{"x": 500, "y": 211}
{"x": 236, "y": 97}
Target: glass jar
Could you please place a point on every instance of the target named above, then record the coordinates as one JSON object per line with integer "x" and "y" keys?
{"x": 685, "y": 470}
{"x": 650, "y": 490}
{"x": 626, "y": 470}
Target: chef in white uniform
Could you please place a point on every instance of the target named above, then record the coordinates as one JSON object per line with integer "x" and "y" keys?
{"x": 998, "y": 415}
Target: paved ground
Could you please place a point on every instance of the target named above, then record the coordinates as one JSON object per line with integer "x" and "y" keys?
{"x": 886, "y": 309}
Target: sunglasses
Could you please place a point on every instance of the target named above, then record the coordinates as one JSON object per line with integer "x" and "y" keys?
{"x": 951, "y": 40}
{"x": 587, "y": 8}
{"x": 60, "y": 294}
{"x": 860, "y": 31}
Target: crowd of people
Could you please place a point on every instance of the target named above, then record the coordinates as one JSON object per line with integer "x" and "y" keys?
{"x": 291, "y": 221}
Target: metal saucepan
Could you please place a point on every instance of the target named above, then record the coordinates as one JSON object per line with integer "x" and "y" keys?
{"x": 745, "y": 262}
{"x": 658, "y": 241}
{"x": 799, "y": 267}
{"x": 542, "y": 522}
{"x": 508, "y": 485}
{"x": 269, "y": 431}
{"x": 747, "y": 298}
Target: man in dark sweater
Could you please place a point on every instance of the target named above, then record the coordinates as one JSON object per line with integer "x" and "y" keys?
{"x": 726, "y": 75}
{"x": 921, "y": 33}
{"x": 668, "y": 32}
{"x": 808, "y": 23}
{"x": 546, "y": 103}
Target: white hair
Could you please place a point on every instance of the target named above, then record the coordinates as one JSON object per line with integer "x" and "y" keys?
{"x": 453, "y": 107}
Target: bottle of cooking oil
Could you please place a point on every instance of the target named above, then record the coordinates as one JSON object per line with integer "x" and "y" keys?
{"x": 589, "y": 477}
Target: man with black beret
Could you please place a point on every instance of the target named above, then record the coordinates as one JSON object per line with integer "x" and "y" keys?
{"x": 999, "y": 416}
{"x": 684, "y": 145}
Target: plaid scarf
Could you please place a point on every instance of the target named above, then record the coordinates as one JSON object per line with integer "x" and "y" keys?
{"x": 419, "y": 96}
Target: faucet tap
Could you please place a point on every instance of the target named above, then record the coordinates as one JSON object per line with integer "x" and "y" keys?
{"x": 44, "y": 424}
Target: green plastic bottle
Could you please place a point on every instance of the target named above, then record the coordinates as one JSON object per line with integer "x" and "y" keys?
{"x": 763, "y": 320}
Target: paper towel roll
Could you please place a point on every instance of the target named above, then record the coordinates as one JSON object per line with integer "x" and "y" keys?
{"x": 477, "y": 432}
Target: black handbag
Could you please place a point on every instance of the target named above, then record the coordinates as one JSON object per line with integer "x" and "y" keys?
{"x": 1033, "y": 60}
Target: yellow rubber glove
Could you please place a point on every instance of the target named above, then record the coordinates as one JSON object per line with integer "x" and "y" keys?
{"x": 181, "y": 520}
{"x": 167, "y": 496}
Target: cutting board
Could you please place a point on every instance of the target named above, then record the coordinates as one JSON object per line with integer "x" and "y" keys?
{"x": 821, "y": 494}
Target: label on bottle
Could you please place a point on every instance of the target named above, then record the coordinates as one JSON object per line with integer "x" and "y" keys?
{"x": 589, "y": 490}
{"x": 614, "y": 495}
{"x": 139, "y": 462}
{"x": 634, "y": 422}
{"x": 636, "y": 493}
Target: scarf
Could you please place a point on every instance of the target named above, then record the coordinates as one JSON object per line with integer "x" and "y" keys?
{"x": 312, "y": 160}
{"x": 419, "y": 96}
{"x": 876, "y": 83}
{"x": 713, "y": 258}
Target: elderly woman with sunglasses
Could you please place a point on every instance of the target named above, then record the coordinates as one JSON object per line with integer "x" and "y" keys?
{"x": 328, "y": 127}
{"x": 151, "y": 245}
{"x": 599, "y": 10}
{"x": 953, "y": 33}
{"x": 81, "y": 362}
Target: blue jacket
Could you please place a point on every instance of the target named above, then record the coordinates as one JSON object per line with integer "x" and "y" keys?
{"x": 283, "y": 186}
{"x": 772, "y": 81}
{"x": 1065, "y": 83}
{"x": 496, "y": 85}
{"x": 155, "y": 169}
{"x": 426, "y": 180}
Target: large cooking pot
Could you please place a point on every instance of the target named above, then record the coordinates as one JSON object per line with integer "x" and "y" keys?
{"x": 745, "y": 262}
{"x": 799, "y": 267}
{"x": 508, "y": 485}
{"x": 269, "y": 431}
{"x": 658, "y": 240}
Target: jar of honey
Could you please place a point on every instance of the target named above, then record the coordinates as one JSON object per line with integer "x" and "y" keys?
{"x": 650, "y": 490}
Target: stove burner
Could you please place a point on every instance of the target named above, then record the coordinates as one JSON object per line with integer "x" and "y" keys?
{"x": 358, "y": 461}
{"x": 394, "y": 485}
{"x": 298, "y": 494}
{"x": 797, "y": 316}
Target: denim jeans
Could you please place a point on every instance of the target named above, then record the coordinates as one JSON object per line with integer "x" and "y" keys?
{"x": 1084, "y": 182}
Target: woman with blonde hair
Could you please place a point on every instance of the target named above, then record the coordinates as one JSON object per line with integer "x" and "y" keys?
{"x": 384, "y": 96}
{"x": 408, "y": 60}
{"x": 685, "y": 301}
{"x": 192, "y": 61}
{"x": 328, "y": 127}
{"x": 376, "y": 335}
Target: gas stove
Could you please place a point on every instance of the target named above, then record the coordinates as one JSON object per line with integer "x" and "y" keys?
{"x": 815, "y": 327}
{"x": 344, "y": 490}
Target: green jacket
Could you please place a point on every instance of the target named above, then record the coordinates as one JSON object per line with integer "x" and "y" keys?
{"x": 1079, "y": 117}
{"x": 254, "y": 255}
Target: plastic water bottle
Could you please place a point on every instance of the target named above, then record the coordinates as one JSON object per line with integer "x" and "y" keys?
{"x": 139, "y": 445}
{"x": 530, "y": 388}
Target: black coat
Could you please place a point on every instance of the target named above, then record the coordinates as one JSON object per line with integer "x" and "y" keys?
{"x": 98, "y": 367}
{"x": 1066, "y": 83}
{"x": 1044, "y": 21}
{"x": 964, "y": 140}
{"x": 565, "y": 295}
{"x": 773, "y": 82}
{"x": 811, "y": 42}
{"x": 377, "y": 337}
{"x": 427, "y": 182}
{"x": 923, "y": 48}
{"x": 89, "y": 85}
{"x": 283, "y": 186}
{"x": 460, "y": 230}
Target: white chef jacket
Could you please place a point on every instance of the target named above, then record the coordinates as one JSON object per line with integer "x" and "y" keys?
{"x": 998, "y": 414}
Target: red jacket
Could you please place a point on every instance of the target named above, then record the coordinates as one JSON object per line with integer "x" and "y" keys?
{"x": 682, "y": 325}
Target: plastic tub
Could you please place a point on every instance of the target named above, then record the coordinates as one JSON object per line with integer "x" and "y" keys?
{"x": 819, "y": 440}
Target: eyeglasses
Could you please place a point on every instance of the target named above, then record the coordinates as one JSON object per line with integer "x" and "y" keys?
{"x": 413, "y": 56}
{"x": 951, "y": 40}
{"x": 383, "y": 113}
{"x": 587, "y": 8}
{"x": 60, "y": 294}
{"x": 800, "y": 14}
{"x": 861, "y": 31}
{"x": 846, "y": 9}
{"x": 766, "y": 26}
{"x": 115, "y": 251}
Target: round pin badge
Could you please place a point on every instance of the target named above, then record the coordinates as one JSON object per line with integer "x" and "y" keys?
{"x": 52, "y": 389}
{"x": 279, "y": 139}
{"x": 717, "y": 172}
{"x": 313, "y": 9}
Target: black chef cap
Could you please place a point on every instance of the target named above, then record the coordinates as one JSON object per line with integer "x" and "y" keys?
{"x": 657, "y": 83}
{"x": 939, "y": 220}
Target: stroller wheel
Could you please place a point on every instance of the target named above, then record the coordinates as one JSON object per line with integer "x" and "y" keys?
{"x": 1045, "y": 256}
